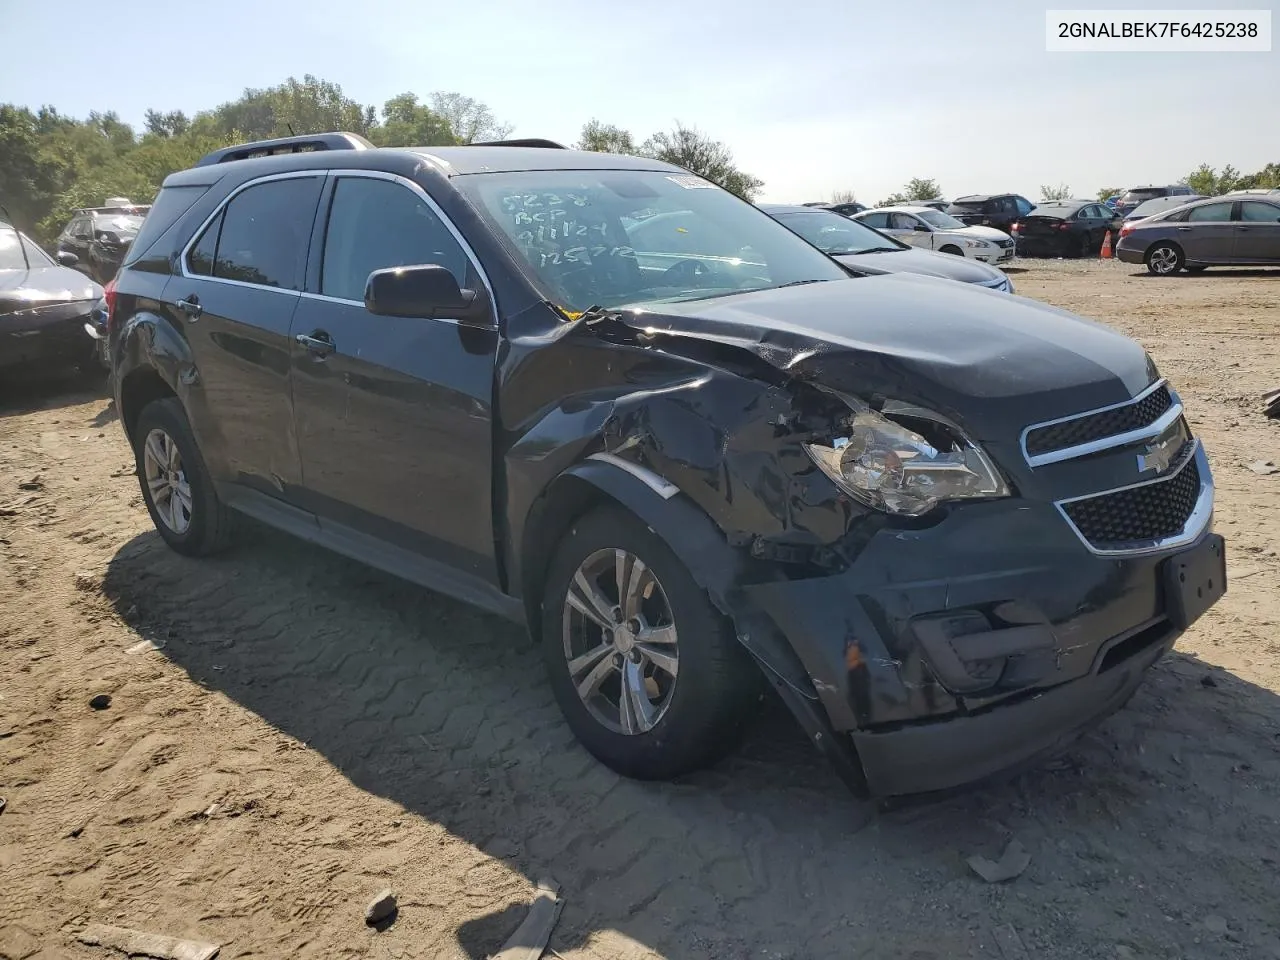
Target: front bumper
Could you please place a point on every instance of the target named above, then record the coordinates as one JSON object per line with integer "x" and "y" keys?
{"x": 1060, "y": 637}
{"x": 992, "y": 255}
{"x": 46, "y": 335}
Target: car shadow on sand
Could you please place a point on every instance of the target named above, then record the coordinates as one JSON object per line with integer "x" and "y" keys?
{"x": 28, "y": 389}
{"x": 1145, "y": 825}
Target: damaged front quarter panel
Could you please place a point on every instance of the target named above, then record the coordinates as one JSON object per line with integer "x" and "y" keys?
{"x": 723, "y": 420}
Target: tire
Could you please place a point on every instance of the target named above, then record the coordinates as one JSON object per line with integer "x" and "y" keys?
{"x": 700, "y": 712}
{"x": 208, "y": 525}
{"x": 1164, "y": 258}
{"x": 952, "y": 249}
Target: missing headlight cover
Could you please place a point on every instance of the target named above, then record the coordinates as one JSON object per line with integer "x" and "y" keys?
{"x": 905, "y": 460}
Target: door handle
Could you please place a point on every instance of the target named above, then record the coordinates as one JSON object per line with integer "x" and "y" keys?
{"x": 1184, "y": 229}
{"x": 191, "y": 307}
{"x": 318, "y": 343}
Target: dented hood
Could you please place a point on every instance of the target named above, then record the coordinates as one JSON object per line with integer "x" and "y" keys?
{"x": 989, "y": 360}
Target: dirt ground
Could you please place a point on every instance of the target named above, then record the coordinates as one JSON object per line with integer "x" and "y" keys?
{"x": 290, "y": 732}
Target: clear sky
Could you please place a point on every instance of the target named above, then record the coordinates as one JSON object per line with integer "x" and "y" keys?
{"x": 811, "y": 95}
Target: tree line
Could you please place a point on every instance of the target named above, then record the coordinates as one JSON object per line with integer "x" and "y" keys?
{"x": 52, "y": 164}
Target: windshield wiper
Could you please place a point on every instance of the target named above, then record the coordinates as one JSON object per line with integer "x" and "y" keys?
{"x": 795, "y": 283}
{"x": 879, "y": 250}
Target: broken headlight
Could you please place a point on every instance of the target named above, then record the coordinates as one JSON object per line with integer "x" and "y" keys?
{"x": 905, "y": 460}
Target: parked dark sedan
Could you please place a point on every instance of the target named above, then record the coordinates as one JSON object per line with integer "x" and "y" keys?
{"x": 858, "y": 245}
{"x": 43, "y": 306}
{"x": 1065, "y": 228}
{"x": 99, "y": 237}
{"x": 1219, "y": 231}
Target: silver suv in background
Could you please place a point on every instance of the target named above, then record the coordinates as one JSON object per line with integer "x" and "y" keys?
{"x": 1136, "y": 195}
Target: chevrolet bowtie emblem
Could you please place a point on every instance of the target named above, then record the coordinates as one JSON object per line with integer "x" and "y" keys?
{"x": 1159, "y": 454}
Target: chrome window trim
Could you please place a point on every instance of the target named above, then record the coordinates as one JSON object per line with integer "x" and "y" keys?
{"x": 422, "y": 194}
{"x": 1153, "y": 429}
{"x": 222, "y": 205}
{"x": 339, "y": 172}
{"x": 1197, "y": 522}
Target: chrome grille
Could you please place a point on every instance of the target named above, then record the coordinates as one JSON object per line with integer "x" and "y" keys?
{"x": 1142, "y": 514}
{"x": 1099, "y": 425}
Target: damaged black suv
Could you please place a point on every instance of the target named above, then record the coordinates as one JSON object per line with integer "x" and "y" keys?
{"x": 600, "y": 396}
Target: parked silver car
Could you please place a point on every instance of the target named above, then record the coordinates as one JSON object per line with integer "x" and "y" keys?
{"x": 1219, "y": 231}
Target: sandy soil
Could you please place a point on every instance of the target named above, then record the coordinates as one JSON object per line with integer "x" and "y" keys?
{"x": 289, "y": 732}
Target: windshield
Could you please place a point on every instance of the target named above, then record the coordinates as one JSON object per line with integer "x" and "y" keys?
{"x": 837, "y": 235}
{"x": 940, "y": 220}
{"x": 610, "y": 237}
{"x": 119, "y": 225}
{"x": 11, "y": 254}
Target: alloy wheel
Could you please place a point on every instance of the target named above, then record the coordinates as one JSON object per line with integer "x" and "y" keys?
{"x": 1164, "y": 260}
{"x": 620, "y": 641}
{"x": 166, "y": 481}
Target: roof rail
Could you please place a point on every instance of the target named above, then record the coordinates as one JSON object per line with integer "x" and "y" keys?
{"x": 304, "y": 144}
{"x": 527, "y": 142}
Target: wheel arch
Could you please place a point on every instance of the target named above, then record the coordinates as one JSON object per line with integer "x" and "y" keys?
{"x": 155, "y": 362}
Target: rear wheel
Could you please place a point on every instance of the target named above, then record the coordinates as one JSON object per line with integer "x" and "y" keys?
{"x": 1164, "y": 258}
{"x": 1086, "y": 245}
{"x": 176, "y": 485}
{"x": 649, "y": 675}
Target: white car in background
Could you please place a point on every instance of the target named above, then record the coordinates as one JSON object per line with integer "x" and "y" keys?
{"x": 934, "y": 230}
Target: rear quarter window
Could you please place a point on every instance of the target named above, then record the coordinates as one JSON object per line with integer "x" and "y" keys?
{"x": 170, "y": 204}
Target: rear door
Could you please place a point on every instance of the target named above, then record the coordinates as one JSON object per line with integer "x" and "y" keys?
{"x": 234, "y": 297}
{"x": 1207, "y": 235}
{"x": 394, "y": 414}
{"x": 1257, "y": 233}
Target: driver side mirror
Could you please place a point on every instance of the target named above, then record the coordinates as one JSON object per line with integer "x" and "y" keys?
{"x": 423, "y": 290}
{"x": 921, "y": 228}
{"x": 67, "y": 258}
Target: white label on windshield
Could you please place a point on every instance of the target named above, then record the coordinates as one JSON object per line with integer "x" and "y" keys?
{"x": 690, "y": 182}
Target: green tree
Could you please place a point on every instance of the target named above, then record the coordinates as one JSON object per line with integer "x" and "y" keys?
{"x": 1105, "y": 192}
{"x": 919, "y": 189}
{"x": 1267, "y": 178}
{"x": 171, "y": 124}
{"x": 1206, "y": 181}
{"x": 687, "y": 147}
{"x": 606, "y": 138}
{"x": 469, "y": 120}
{"x": 1060, "y": 192}
{"x": 408, "y": 123}
{"x": 309, "y": 105}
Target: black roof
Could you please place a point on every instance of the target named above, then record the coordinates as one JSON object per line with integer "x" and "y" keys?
{"x": 449, "y": 161}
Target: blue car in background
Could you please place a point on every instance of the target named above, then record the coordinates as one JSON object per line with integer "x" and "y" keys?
{"x": 1110, "y": 202}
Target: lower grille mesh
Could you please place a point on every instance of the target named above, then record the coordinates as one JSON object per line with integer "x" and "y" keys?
{"x": 1151, "y": 512}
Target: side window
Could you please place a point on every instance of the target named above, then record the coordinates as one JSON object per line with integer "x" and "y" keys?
{"x": 82, "y": 228}
{"x": 878, "y": 220}
{"x": 265, "y": 231}
{"x": 1256, "y": 212}
{"x": 376, "y": 223}
{"x": 200, "y": 258}
{"x": 1210, "y": 212}
{"x": 902, "y": 221}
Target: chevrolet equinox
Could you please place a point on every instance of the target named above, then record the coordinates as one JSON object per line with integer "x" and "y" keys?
{"x": 953, "y": 528}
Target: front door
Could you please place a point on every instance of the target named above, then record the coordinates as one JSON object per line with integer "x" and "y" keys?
{"x": 1208, "y": 235}
{"x": 394, "y": 414}
{"x": 234, "y": 298}
{"x": 909, "y": 229}
{"x": 1257, "y": 233}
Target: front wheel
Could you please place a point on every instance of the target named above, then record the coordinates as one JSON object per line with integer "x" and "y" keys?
{"x": 176, "y": 485}
{"x": 953, "y": 250}
{"x": 1164, "y": 259}
{"x": 649, "y": 675}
